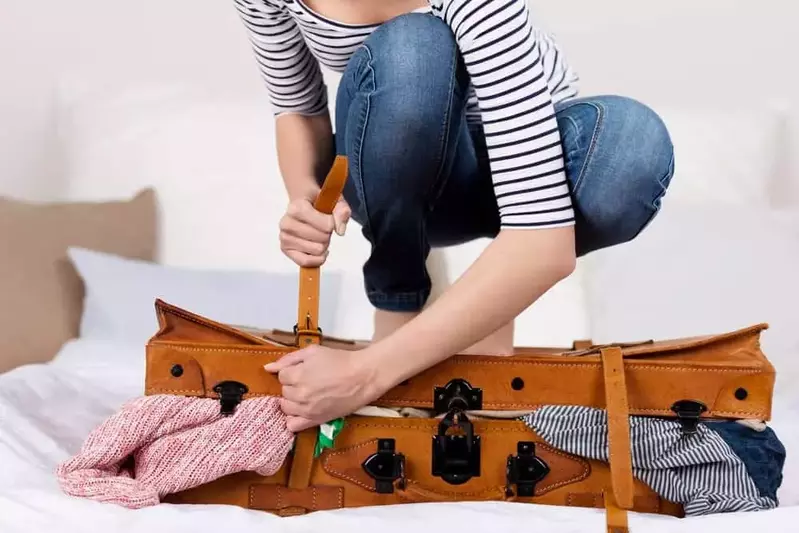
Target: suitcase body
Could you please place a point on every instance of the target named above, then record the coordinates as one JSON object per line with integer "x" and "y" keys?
{"x": 463, "y": 438}
{"x": 381, "y": 460}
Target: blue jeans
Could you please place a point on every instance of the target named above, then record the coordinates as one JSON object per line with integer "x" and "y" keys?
{"x": 419, "y": 175}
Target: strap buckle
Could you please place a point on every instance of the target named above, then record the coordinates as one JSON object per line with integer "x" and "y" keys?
{"x": 307, "y": 332}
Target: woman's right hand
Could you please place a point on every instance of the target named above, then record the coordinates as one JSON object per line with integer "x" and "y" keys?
{"x": 305, "y": 232}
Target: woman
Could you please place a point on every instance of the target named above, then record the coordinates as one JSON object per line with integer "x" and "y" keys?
{"x": 460, "y": 119}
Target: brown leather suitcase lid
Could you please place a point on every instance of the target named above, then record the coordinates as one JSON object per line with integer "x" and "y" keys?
{"x": 727, "y": 374}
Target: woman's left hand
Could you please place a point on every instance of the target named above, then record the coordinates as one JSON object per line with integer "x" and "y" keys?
{"x": 320, "y": 384}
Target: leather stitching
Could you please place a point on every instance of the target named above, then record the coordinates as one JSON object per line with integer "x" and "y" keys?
{"x": 418, "y": 403}
{"x": 586, "y": 364}
{"x": 578, "y": 477}
{"x": 594, "y": 498}
{"x": 210, "y": 325}
{"x": 483, "y": 492}
{"x": 220, "y": 350}
{"x": 463, "y": 359}
{"x": 332, "y": 471}
{"x": 618, "y": 449}
{"x": 539, "y": 491}
{"x": 285, "y": 506}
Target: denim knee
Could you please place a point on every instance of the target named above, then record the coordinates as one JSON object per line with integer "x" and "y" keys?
{"x": 414, "y": 57}
{"x": 628, "y": 168}
{"x": 397, "y": 104}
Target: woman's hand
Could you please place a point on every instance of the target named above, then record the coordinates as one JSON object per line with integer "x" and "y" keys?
{"x": 305, "y": 232}
{"x": 320, "y": 384}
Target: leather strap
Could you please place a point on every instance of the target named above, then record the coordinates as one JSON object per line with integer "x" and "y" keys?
{"x": 308, "y": 331}
{"x": 283, "y": 500}
{"x": 302, "y": 459}
{"x": 582, "y": 344}
{"x": 619, "y": 448}
{"x": 414, "y": 493}
{"x": 615, "y": 517}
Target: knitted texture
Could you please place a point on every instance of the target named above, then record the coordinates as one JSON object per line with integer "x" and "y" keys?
{"x": 158, "y": 445}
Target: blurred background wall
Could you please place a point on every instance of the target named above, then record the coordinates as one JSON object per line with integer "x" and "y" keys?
{"x": 721, "y": 53}
{"x": 100, "y": 98}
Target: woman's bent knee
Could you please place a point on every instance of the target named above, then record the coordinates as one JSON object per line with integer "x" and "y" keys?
{"x": 651, "y": 164}
{"x": 413, "y": 42}
{"x": 631, "y": 168}
{"x": 398, "y": 104}
{"x": 414, "y": 57}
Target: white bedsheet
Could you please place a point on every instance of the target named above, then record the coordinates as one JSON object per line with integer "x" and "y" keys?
{"x": 47, "y": 410}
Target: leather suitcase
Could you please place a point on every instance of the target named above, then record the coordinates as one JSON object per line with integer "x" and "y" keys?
{"x": 473, "y": 446}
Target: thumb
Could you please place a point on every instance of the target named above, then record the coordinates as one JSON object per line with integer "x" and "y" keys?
{"x": 295, "y": 424}
{"x": 341, "y": 215}
{"x": 286, "y": 361}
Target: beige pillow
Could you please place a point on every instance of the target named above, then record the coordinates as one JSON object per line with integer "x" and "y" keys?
{"x": 41, "y": 294}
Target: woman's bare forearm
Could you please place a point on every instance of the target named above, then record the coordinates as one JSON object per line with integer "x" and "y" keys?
{"x": 516, "y": 269}
{"x": 305, "y": 151}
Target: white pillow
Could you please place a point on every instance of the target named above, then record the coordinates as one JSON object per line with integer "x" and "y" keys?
{"x": 725, "y": 156}
{"x": 211, "y": 159}
{"x": 120, "y": 295}
{"x": 699, "y": 270}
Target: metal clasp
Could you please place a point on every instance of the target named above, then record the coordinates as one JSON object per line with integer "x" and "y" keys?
{"x": 525, "y": 470}
{"x": 456, "y": 457}
{"x": 230, "y": 395}
{"x": 688, "y": 413}
{"x": 385, "y": 466}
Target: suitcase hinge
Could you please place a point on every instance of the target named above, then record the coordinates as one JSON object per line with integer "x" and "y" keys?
{"x": 456, "y": 457}
{"x": 525, "y": 470}
{"x": 688, "y": 413}
{"x": 385, "y": 467}
{"x": 230, "y": 395}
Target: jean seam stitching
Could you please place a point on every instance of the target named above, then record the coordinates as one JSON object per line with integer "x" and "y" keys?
{"x": 363, "y": 123}
{"x": 592, "y": 145}
{"x": 655, "y": 209}
{"x": 445, "y": 131}
{"x": 662, "y": 182}
{"x": 576, "y": 129}
{"x": 437, "y": 187}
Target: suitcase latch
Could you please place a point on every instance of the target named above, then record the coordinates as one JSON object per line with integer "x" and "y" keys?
{"x": 230, "y": 395}
{"x": 688, "y": 413}
{"x": 385, "y": 467}
{"x": 457, "y": 394}
{"x": 456, "y": 457}
{"x": 525, "y": 470}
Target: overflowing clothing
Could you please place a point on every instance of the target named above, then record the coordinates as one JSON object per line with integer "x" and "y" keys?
{"x": 164, "y": 444}
{"x": 717, "y": 469}
{"x": 158, "y": 445}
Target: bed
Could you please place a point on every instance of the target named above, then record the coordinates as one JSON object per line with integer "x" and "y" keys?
{"x": 46, "y": 411}
{"x": 720, "y": 213}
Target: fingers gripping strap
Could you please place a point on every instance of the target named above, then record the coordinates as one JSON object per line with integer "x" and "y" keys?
{"x": 333, "y": 186}
{"x": 308, "y": 312}
{"x": 619, "y": 449}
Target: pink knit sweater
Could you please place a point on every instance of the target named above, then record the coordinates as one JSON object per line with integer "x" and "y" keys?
{"x": 175, "y": 443}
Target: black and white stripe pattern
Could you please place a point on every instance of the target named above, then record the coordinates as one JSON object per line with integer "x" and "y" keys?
{"x": 506, "y": 66}
{"x": 699, "y": 471}
{"x": 517, "y": 73}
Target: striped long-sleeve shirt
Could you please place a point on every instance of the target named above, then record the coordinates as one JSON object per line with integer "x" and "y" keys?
{"x": 517, "y": 74}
